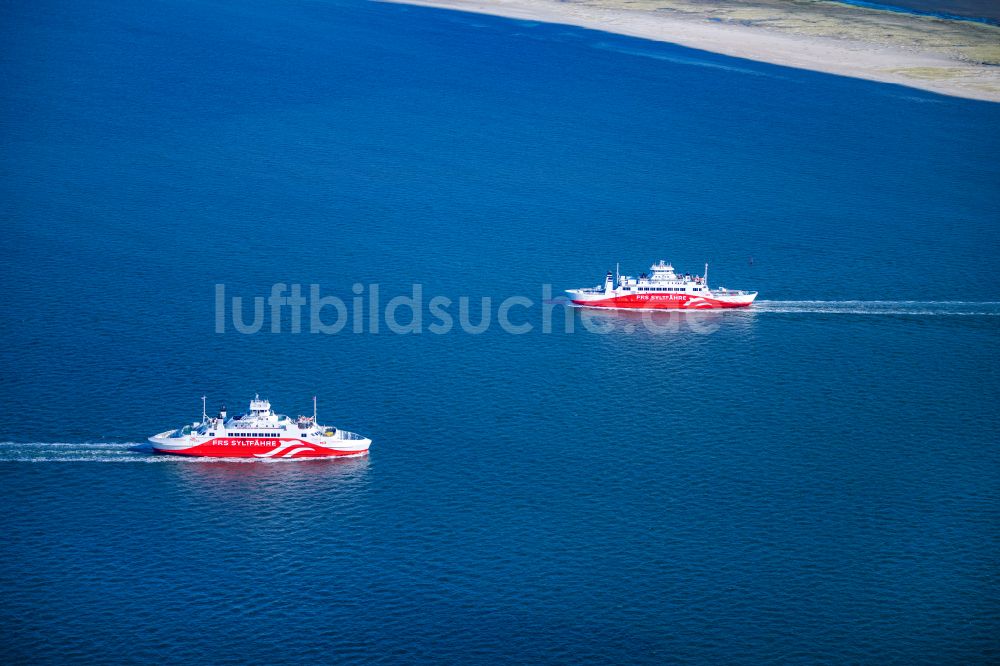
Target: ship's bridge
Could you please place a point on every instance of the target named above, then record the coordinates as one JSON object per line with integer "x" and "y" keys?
{"x": 260, "y": 415}
{"x": 259, "y": 407}
{"x": 662, "y": 272}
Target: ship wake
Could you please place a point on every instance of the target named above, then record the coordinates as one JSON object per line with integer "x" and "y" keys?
{"x": 913, "y": 308}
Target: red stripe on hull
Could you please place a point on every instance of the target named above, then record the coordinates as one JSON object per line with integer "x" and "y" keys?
{"x": 661, "y": 302}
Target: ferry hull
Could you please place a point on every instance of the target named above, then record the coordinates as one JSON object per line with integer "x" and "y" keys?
{"x": 660, "y": 301}
{"x": 261, "y": 449}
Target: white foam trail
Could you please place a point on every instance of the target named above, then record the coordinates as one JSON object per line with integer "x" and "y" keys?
{"x": 921, "y": 308}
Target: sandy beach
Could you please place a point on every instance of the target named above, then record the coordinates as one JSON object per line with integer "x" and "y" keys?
{"x": 959, "y": 58}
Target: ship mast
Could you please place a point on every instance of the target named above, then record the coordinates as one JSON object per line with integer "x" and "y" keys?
{"x": 705, "y": 276}
{"x": 204, "y": 415}
{"x": 314, "y": 409}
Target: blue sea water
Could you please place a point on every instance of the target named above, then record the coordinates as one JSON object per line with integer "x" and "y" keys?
{"x": 813, "y": 480}
{"x": 977, "y": 11}
{"x": 981, "y": 11}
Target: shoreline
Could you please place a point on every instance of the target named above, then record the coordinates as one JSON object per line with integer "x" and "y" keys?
{"x": 954, "y": 58}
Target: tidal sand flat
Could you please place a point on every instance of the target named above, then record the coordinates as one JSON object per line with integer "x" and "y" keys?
{"x": 946, "y": 56}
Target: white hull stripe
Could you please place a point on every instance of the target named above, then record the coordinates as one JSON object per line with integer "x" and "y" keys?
{"x": 275, "y": 451}
{"x": 294, "y": 451}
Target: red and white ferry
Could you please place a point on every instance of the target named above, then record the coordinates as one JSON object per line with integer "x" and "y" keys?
{"x": 259, "y": 433}
{"x": 660, "y": 290}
